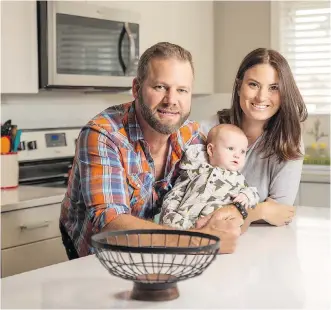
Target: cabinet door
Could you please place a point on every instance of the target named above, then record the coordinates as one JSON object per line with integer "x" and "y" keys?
{"x": 29, "y": 225}
{"x": 315, "y": 194}
{"x": 32, "y": 256}
{"x": 19, "y": 53}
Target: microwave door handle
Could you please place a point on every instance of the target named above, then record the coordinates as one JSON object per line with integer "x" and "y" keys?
{"x": 120, "y": 43}
{"x": 132, "y": 46}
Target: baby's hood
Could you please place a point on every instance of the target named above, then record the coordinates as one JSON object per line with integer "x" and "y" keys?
{"x": 194, "y": 157}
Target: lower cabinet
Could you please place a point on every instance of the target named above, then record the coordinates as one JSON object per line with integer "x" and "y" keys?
{"x": 313, "y": 194}
{"x": 32, "y": 256}
{"x": 30, "y": 239}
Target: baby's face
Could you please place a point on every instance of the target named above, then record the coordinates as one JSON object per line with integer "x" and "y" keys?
{"x": 228, "y": 150}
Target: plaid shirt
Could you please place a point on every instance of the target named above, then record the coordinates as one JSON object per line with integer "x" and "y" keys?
{"x": 113, "y": 173}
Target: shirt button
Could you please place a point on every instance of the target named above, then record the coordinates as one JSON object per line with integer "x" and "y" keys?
{"x": 214, "y": 175}
{"x": 211, "y": 182}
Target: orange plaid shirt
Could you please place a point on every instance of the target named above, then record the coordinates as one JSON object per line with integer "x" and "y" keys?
{"x": 113, "y": 173}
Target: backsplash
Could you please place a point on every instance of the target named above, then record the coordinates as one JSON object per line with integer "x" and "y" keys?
{"x": 57, "y": 109}
{"x": 64, "y": 109}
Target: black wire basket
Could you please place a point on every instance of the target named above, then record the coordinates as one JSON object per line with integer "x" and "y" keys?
{"x": 155, "y": 260}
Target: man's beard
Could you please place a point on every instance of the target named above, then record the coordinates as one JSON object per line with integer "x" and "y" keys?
{"x": 152, "y": 120}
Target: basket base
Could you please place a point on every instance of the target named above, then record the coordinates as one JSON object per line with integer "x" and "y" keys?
{"x": 155, "y": 292}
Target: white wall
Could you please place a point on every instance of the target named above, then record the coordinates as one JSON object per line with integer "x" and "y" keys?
{"x": 239, "y": 28}
{"x": 47, "y": 109}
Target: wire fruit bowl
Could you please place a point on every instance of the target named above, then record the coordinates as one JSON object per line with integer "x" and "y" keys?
{"x": 155, "y": 260}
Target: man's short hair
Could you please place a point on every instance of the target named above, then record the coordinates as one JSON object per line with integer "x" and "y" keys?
{"x": 161, "y": 50}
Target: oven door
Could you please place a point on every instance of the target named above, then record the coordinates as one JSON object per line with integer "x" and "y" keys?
{"x": 46, "y": 173}
{"x": 87, "y": 45}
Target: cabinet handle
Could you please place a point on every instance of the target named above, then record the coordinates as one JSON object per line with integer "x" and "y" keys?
{"x": 35, "y": 226}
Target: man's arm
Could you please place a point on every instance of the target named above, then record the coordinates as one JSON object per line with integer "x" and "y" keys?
{"x": 105, "y": 193}
{"x": 102, "y": 177}
{"x": 223, "y": 225}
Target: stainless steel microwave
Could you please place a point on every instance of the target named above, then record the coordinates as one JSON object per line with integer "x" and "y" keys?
{"x": 84, "y": 45}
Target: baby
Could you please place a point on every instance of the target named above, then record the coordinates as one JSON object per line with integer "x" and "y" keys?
{"x": 209, "y": 179}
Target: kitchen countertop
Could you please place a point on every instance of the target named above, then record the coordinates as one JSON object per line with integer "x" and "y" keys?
{"x": 30, "y": 196}
{"x": 273, "y": 267}
{"x": 34, "y": 196}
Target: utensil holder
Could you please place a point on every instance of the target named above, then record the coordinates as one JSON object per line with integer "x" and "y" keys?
{"x": 9, "y": 170}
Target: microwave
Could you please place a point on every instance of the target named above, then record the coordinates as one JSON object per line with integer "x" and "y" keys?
{"x": 86, "y": 46}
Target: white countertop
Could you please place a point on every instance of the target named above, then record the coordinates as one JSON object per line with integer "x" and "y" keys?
{"x": 34, "y": 196}
{"x": 273, "y": 267}
{"x": 30, "y": 196}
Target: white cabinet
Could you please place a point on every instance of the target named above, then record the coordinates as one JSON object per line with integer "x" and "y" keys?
{"x": 314, "y": 194}
{"x": 186, "y": 23}
{"x": 19, "y": 53}
{"x": 31, "y": 239}
{"x": 32, "y": 256}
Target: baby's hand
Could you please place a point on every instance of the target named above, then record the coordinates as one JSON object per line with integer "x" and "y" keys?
{"x": 242, "y": 199}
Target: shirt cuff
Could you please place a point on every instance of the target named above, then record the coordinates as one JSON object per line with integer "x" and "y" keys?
{"x": 102, "y": 215}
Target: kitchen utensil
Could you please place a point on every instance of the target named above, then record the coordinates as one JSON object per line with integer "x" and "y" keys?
{"x": 154, "y": 268}
{"x": 6, "y": 128}
{"x": 5, "y": 145}
{"x": 17, "y": 140}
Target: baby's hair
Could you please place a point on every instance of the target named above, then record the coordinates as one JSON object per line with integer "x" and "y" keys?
{"x": 220, "y": 128}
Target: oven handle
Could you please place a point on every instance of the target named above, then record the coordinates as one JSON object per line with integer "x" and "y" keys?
{"x": 35, "y": 226}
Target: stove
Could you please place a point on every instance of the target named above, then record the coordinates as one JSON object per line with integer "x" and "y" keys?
{"x": 45, "y": 156}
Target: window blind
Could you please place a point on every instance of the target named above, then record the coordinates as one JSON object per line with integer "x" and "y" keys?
{"x": 305, "y": 41}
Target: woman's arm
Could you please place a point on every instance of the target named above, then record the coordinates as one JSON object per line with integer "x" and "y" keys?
{"x": 278, "y": 208}
{"x": 271, "y": 212}
{"x": 285, "y": 181}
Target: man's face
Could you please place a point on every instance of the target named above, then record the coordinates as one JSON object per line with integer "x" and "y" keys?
{"x": 164, "y": 98}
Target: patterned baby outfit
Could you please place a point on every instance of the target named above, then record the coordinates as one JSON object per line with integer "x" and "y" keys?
{"x": 201, "y": 189}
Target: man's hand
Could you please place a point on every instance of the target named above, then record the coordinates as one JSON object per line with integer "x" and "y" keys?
{"x": 224, "y": 223}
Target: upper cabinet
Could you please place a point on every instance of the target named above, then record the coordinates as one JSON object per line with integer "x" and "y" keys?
{"x": 186, "y": 23}
{"x": 19, "y": 52}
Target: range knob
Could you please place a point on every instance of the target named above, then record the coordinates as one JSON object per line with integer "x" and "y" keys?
{"x": 32, "y": 145}
{"x": 21, "y": 146}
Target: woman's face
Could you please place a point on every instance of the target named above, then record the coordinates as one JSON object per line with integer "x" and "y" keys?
{"x": 259, "y": 94}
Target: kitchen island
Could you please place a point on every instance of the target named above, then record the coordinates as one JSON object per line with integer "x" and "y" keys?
{"x": 273, "y": 267}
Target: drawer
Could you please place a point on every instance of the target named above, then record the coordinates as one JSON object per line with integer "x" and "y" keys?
{"x": 32, "y": 256}
{"x": 29, "y": 225}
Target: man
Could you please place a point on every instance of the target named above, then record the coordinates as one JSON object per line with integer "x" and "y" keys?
{"x": 127, "y": 157}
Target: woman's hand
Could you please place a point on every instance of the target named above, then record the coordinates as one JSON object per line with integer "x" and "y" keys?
{"x": 224, "y": 223}
{"x": 276, "y": 213}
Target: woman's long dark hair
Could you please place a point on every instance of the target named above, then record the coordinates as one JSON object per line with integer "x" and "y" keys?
{"x": 282, "y": 132}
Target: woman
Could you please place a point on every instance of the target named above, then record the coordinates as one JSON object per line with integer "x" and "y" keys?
{"x": 268, "y": 107}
